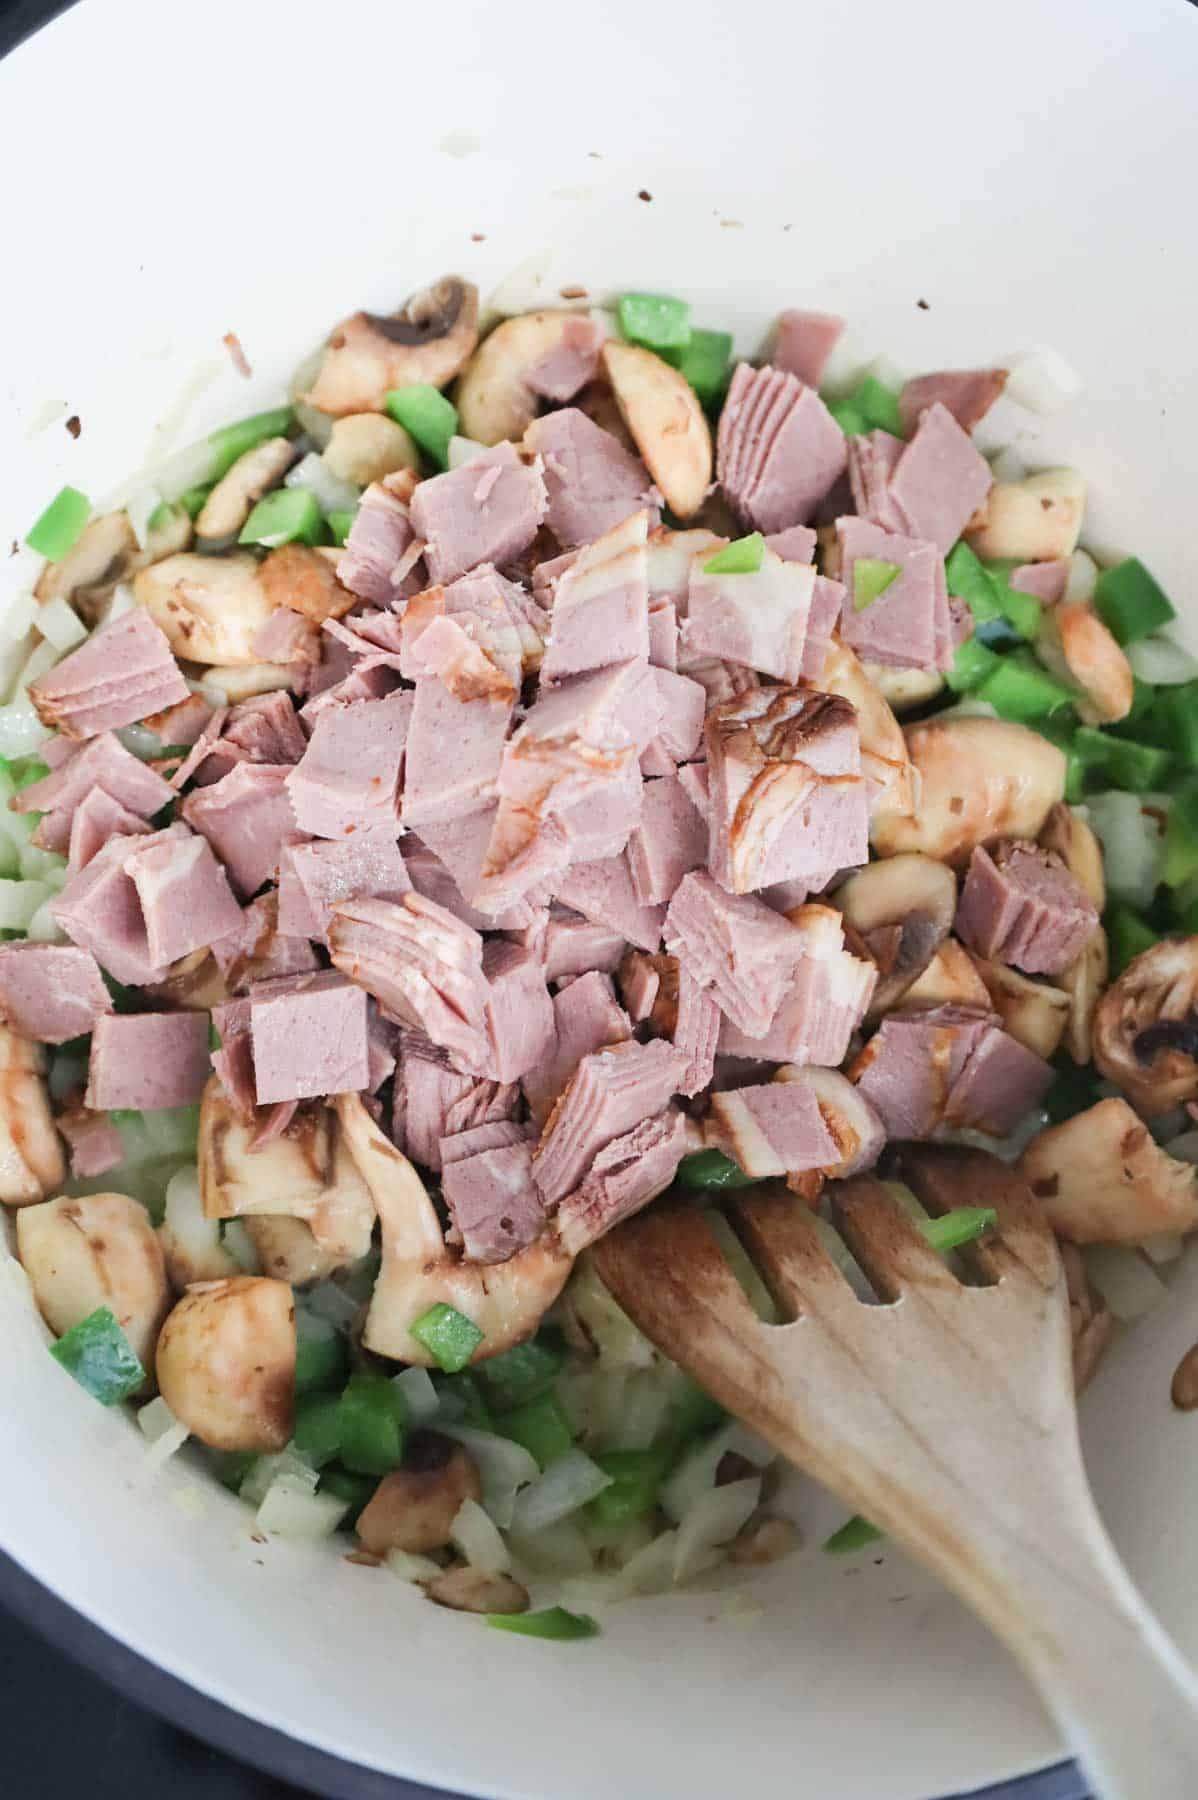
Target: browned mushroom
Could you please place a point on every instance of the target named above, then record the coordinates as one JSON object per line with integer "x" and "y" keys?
{"x": 1145, "y": 1030}
{"x": 414, "y": 1507}
{"x": 1102, "y": 1180}
{"x": 902, "y": 909}
{"x": 430, "y": 339}
{"x": 226, "y": 1363}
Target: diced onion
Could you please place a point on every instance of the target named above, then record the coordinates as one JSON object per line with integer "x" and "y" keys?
{"x": 191, "y": 467}
{"x": 1132, "y": 846}
{"x": 651, "y": 1570}
{"x": 503, "y": 1466}
{"x": 21, "y": 731}
{"x": 1161, "y": 662}
{"x": 618, "y": 1543}
{"x": 410, "y": 1567}
{"x": 715, "y": 1517}
{"x": 20, "y": 613}
{"x": 477, "y": 1539}
{"x": 198, "y": 1236}
{"x": 265, "y": 1470}
{"x": 647, "y": 1399}
{"x": 330, "y": 492}
{"x": 1042, "y": 381}
{"x": 20, "y": 900}
{"x": 1083, "y": 574}
{"x": 1125, "y": 1279}
{"x": 568, "y": 1483}
{"x": 1008, "y": 465}
{"x": 34, "y": 864}
{"x": 44, "y": 928}
{"x": 139, "y": 511}
{"x": 890, "y": 373}
{"x": 291, "y": 1509}
{"x": 241, "y": 1246}
{"x": 165, "y": 1434}
{"x": 695, "y": 1474}
{"x": 561, "y": 1549}
{"x": 420, "y": 1396}
{"x": 60, "y": 624}
{"x": 315, "y": 425}
{"x": 463, "y": 450}
{"x": 745, "y": 1443}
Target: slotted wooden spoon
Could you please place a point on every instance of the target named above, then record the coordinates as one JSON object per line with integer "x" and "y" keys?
{"x": 945, "y": 1416}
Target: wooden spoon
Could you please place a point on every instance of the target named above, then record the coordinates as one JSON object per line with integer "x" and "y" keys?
{"x": 945, "y": 1415}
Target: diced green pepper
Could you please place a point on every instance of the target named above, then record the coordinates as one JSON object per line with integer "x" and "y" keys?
{"x": 637, "y": 1476}
{"x": 286, "y": 516}
{"x": 192, "y": 499}
{"x": 1061, "y": 733}
{"x": 871, "y": 578}
{"x": 448, "y": 1335}
{"x": 1022, "y": 611}
{"x": 321, "y": 1358}
{"x": 743, "y": 556}
{"x": 855, "y": 1534}
{"x": 370, "y": 1424}
{"x": 968, "y": 580}
{"x": 554, "y": 1623}
{"x": 1021, "y": 690}
{"x": 654, "y": 320}
{"x": 541, "y": 1426}
{"x": 232, "y": 1467}
{"x": 1072, "y": 1092}
{"x": 1178, "y": 707}
{"x": 849, "y": 417}
{"x": 61, "y": 525}
{"x": 1130, "y": 602}
{"x": 878, "y": 406}
{"x": 518, "y": 1375}
{"x": 1180, "y": 862}
{"x": 960, "y": 1226}
{"x": 426, "y": 415}
{"x": 704, "y": 362}
{"x": 100, "y": 1357}
{"x": 356, "y": 1490}
{"x": 163, "y": 516}
{"x": 711, "y": 1169}
{"x": 1127, "y": 936}
{"x": 1137, "y": 767}
{"x": 318, "y": 1427}
{"x": 973, "y": 663}
{"x": 461, "y": 1401}
{"x": 694, "y": 1412}
{"x": 232, "y": 441}
{"x": 341, "y": 524}
{"x": 24, "y": 771}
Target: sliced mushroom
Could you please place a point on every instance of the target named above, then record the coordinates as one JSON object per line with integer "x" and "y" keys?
{"x": 885, "y": 762}
{"x": 1090, "y": 1319}
{"x": 210, "y": 607}
{"x": 1146, "y": 1027}
{"x": 668, "y": 425}
{"x": 304, "y": 580}
{"x": 599, "y": 404}
{"x": 1034, "y": 1013}
{"x": 308, "y": 1172}
{"x": 32, "y": 1163}
{"x": 237, "y": 492}
{"x": 92, "y": 1252}
{"x": 102, "y": 555}
{"x": 470, "y": 1590}
{"x": 1078, "y": 848}
{"x": 226, "y": 1363}
{"x": 902, "y": 909}
{"x": 1102, "y": 1180}
{"x": 193, "y": 984}
{"x": 414, "y": 1508}
{"x": 1033, "y": 520}
{"x": 1083, "y": 982}
{"x": 979, "y": 779}
{"x": 505, "y": 1300}
{"x": 859, "y": 1133}
{"x": 429, "y": 340}
{"x": 904, "y": 689}
{"x": 366, "y": 446}
{"x": 287, "y": 1249}
{"x": 1075, "y": 644}
{"x": 950, "y": 979}
{"x": 190, "y": 1240}
{"x": 242, "y": 681}
{"x": 765, "y": 1539}
{"x": 494, "y": 398}
{"x": 173, "y": 532}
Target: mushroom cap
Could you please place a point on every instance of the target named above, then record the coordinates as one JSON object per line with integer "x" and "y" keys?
{"x": 99, "y": 1250}
{"x": 427, "y": 340}
{"x": 978, "y": 779}
{"x": 494, "y": 397}
{"x": 226, "y": 1363}
{"x": 1101, "y": 1179}
{"x": 1145, "y": 1028}
{"x": 902, "y": 909}
{"x": 414, "y": 1507}
{"x": 668, "y": 425}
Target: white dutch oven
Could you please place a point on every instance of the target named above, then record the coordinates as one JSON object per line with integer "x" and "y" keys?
{"x": 173, "y": 173}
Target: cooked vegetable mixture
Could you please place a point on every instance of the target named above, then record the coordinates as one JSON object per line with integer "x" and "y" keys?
{"x": 449, "y": 810}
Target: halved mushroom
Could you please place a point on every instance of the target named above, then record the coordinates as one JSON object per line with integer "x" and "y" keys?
{"x": 505, "y": 1300}
{"x": 308, "y": 1172}
{"x": 902, "y": 909}
{"x": 1146, "y": 1027}
{"x": 1082, "y": 982}
{"x": 193, "y": 984}
{"x": 979, "y": 779}
{"x": 210, "y": 607}
{"x": 428, "y": 340}
{"x": 1033, "y": 520}
{"x": 950, "y": 979}
{"x": 242, "y": 681}
{"x": 859, "y": 1133}
{"x": 190, "y": 1240}
{"x": 306, "y": 581}
{"x": 494, "y": 398}
{"x": 1034, "y": 1013}
{"x": 32, "y": 1163}
{"x": 92, "y": 1252}
{"x": 226, "y": 1363}
{"x": 414, "y": 1508}
{"x": 233, "y": 498}
{"x": 103, "y": 554}
{"x": 1102, "y": 1180}
{"x": 885, "y": 761}
{"x": 288, "y": 1250}
{"x": 1075, "y": 644}
{"x": 472, "y": 1590}
{"x": 364, "y": 447}
{"x": 668, "y": 425}
{"x": 1078, "y": 847}
{"x": 903, "y": 689}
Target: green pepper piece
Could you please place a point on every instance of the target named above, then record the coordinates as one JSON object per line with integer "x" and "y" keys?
{"x": 100, "y": 1357}
{"x": 1137, "y": 767}
{"x": 321, "y": 1358}
{"x": 426, "y": 415}
{"x": 518, "y": 1375}
{"x": 192, "y": 499}
{"x": 871, "y": 578}
{"x": 232, "y": 441}
{"x": 654, "y": 320}
{"x": 370, "y": 1424}
{"x": 1019, "y": 689}
{"x": 1181, "y": 841}
{"x": 541, "y": 1426}
{"x": 743, "y": 556}
{"x": 968, "y": 580}
{"x": 878, "y": 406}
{"x": 1130, "y": 602}
{"x": 1128, "y": 935}
{"x": 960, "y": 1226}
{"x": 448, "y": 1335}
{"x": 710, "y": 1169}
{"x": 854, "y": 1534}
{"x": 341, "y": 524}
{"x": 704, "y": 363}
{"x": 285, "y": 516}
{"x": 1072, "y": 1092}
{"x": 849, "y": 417}
{"x": 694, "y": 1412}
{"x": 61, "y": 525}
{"x": 637, "y": 1476}
{"x": 356, "y": 1490}
{"x": 554, "y": 1623}
{"x": 1178, "y": 708}
{"x": 318, "y": 1428}
{"x": 462, "y": 1403}
{"x": 973, "y": 663}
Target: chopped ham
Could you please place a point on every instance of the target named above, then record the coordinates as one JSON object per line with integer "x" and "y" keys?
{"x": 759, "y": 620}
{"x": 779, "y": 450}
{"x": 433, "y": 1101}
{"x": 929, "y": 1073}
{"x": 519, "y": 1011}
{"x": 258, "y": 951}
{"x": 601, "y": 825}
{"x": 103, "y": 763}
{"x": 99, "y": 910}
{"x": 348, "y": 778}
{"x": 592, "y": 483}
{"x": 968, "y": 394}
{"x": 586, "y": 1018}
{"x": 181, "y": 724}
{"x": 669, "y": 841}
{"x": 826, "y": 1003}
{"x": 122, "y": 672}
{"x": 663, "y": 634}
{"x": 145, "y": 1062}
{"x": 804, "y": 343}
{"x": 287, "y": 637}
{"x": 487, "y": 511}
{"x": 50, "y": 992}
{"x": 454, "y": 752}
{"x": 774, "y": 1129}
{"x": 380, "y": 534}
{"x": 1021, "y": 905}
{"x": 786, "y": 799}
{"x": 314, "y": 877}
{"x": 186, "y": 900}
{"x": 683, "y": 705}
{"x": 263, "y": 729}
{"x": 601, "y": 604}
{"x": 247, "y": 817}
{"x": 423, "y": 966}
{"x": 640, "y": 983}
{"x": 574, "y": 360}
{"x": 872, "y": 459}
{"x": 97, "y": 818}
{"x": 735, "y": 945}
{"x": 507, "y": 628}
{"x": 603, "y": 892}
{"x": 302, "y": 580}
{"x": 448, "y": 649}
{"x": 1046, "y": 580}
{"x": 458, "y": 1146}
{"x": 199, "y": 756}
{"x": 908, "y": 624}
{"x": 575, "y": 946}
{"x": 626, "y": 1175}
{"x": 827, "y": 603}
{"x": 233, "y": 1063}
{"x": 92, "y": 1139}
{"x": 795, "y": 544}
{"x": 492, "y": 1201}
{"x": 940, "y": 479}
{"x": 611, "y": 1091}
{"x": 309, "y": 1037}
{"x": 445, "y": 863}
{"x": 696, "y": 1033}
